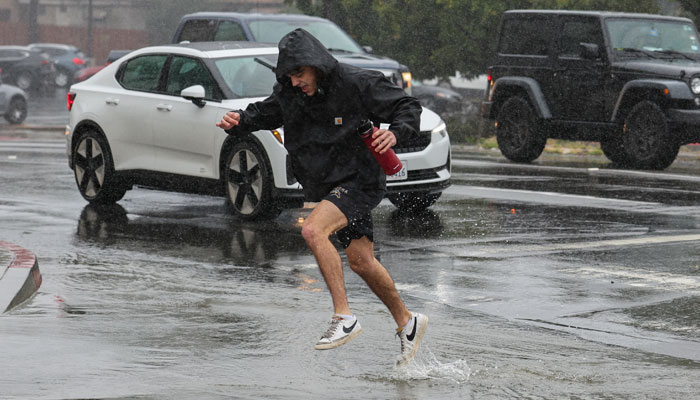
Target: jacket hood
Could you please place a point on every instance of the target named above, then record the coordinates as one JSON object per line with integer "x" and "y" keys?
{"x": 299, "y": 48}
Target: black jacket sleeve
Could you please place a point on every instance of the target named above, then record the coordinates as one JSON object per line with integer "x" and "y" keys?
{"x": 390, "y": 104}
{"x": 265, "y": 114}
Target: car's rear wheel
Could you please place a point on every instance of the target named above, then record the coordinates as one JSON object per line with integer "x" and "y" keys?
{"x": 93, "y": 168}
{"x": 614, "y": 150}
{"x": 413, "y": 201}
{"x": 16, "y": 111}
{"x": 62, "y": 78}
{"x": 647, "y": 140}
{"x": 518, "y": 137}
{"x": 249, "y": 183}
{"x": 25, "y": 80}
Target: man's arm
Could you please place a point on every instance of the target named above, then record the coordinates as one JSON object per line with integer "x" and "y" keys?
{"x": 264, "y": 114}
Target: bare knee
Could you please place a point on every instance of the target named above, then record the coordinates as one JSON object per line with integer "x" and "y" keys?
{"x": 361, "y": 264}
{"x": 312, "y": 234}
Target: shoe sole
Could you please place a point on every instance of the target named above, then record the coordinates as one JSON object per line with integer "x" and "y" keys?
{"x": 338, "y": 343}
{"x": 419, "y": 338}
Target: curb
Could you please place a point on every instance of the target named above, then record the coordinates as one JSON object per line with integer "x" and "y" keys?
{"x": 20, "y": 279}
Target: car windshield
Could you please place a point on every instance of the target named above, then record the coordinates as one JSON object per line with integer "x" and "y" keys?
{"x": 247, "y": 77}
{"x": 640, "y": 36}
{"x": 271, "y": 31}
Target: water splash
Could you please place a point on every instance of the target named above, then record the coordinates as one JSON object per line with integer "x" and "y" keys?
{"x": 427, "y": 366}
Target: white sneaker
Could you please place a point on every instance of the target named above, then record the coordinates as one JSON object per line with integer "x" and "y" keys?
{"x": 411, "y": 336}
{"x": 339, "y": 332}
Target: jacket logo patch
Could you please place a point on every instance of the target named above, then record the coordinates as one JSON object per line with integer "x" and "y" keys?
{"x": 339, "y": 120}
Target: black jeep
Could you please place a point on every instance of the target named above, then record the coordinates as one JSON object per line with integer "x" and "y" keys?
{"x": 629, "y": 81}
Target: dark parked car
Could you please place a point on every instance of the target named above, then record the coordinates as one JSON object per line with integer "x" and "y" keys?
{"x": 629, "y": 81}
{"x": 86, "y": 73}
{"x": 68, "y": 60}
{"x": 13, "y": 103}
{"x": 442, "y": 100}
{"x": 26, "y": 68}
{"x": 269, "y": 28}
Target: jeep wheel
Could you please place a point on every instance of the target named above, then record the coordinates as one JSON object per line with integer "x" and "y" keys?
{"x": 249, "y": 183}
{"x": 647, "y": 140}
{"x": 613, "y": 149}
{"x": 94, "y": 170}
{"x": 413, "y": 201}
{"x": 516, "y": 132}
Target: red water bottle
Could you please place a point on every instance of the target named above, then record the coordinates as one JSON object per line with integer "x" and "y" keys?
{"x": 389, "y": 162}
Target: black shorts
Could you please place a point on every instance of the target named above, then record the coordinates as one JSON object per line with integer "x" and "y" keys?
{"x": 356, "y": 205}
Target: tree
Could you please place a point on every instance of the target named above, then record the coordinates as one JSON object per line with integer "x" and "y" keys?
{"x": 437, "y": 38}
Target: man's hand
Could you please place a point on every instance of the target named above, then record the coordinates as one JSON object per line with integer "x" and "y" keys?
{"x": 384, "y": 139}
{"x": 229, "y": 120}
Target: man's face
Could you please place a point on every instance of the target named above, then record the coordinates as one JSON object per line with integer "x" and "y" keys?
{"x": 305, "y": 79}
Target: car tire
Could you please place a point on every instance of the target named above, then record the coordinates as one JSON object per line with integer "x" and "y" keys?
{"x": 16, "y": 111}
{"x": 614, "y": 150}
{"x": 62, "y": 78}
{"x": 93, "y": 169}
{"x": 249, "y": 183}
{"x": 518, "y": 137}
{"x": 646, "y": 138}
{"x": 25, "y": 80}
{"x": 413, "y": 201}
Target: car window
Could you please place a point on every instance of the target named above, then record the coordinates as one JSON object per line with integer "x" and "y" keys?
{"x": 246, "y": 77}
{"x": 271, "y": 31}
{"x": 577, "y": 31}
{"x": 525, "y": 36}
{"x": 143, "y": 73}
{"x": 185, "y": 72}
{"x": 198, "y": 30}
{"x": 229, "y": 30}
{"x": 649, "y": 34}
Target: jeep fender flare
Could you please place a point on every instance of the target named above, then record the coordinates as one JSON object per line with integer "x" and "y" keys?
{"x": 677, "y": 90}
{"x": 530, "y": 86}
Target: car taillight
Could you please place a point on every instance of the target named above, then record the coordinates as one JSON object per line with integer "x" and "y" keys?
{"x": 70, "y": 99}
{"x": 78, "y": 61}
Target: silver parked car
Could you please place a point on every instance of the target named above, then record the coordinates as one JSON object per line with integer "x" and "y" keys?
{"x": 13, "y": 103}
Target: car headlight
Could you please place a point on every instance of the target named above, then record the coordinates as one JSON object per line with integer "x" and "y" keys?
{"x": 695, "y": 85}
{"x": 441, "y": 129}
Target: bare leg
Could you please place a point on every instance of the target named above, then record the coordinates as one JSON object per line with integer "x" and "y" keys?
{"x": 361, "y": 259}
{"x": 324, "y": 220}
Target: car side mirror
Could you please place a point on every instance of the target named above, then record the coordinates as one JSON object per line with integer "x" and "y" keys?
{"x": 195, "y": 94}
{"x": 368, "y": 49}
{"x": 590, "y": 51}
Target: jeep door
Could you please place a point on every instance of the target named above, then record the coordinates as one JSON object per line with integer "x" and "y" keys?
{"x": 580, "y": 76}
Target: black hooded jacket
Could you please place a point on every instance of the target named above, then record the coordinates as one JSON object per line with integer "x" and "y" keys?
{"x": 321, "y": 130}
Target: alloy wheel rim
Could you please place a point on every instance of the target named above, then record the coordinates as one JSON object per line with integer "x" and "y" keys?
{"x": 89, "y": 167}
{"x": 245, "y": 182}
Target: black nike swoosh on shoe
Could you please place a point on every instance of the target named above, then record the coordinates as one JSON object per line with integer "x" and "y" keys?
{"x": 348, "y": 330}
{"x": 413, "y": 333}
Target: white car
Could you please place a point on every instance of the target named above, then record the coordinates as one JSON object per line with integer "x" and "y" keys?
{"x": 149, "y": 119}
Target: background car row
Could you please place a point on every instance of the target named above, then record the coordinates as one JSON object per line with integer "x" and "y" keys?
{"x": 40, "y": 65}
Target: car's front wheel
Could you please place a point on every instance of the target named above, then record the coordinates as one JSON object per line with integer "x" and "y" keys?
{"x": 518, "y": 137}
{"x": 16, "y": 111}
{"x": 413, "y": 201}
{"x": 249, "y": 182}
{"x": 647, "y": 140}
{"x": 93, "y": 168}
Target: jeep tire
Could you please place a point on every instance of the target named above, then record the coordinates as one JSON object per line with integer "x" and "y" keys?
{"x": 518, "y": 137}
{"x": 646, "y": 138}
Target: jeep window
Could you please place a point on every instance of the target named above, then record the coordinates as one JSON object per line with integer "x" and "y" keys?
{"x": 229, "y": 31}
{"x": 271, "y": 31}
{"x": 143, "y": 73}
{"x": 247, "y": 77}
{"x": 652, "y": 35}
{"x": 575, "y": 32}
{"x": 198, "y": 30}
{"x": 525, "y": 36}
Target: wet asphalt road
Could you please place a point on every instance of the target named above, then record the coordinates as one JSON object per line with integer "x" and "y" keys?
{"x": 554, "y": 280}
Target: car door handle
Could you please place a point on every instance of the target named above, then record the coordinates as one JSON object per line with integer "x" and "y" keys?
{"x": 164, "y": 107}
{"x": 111, "y": 101}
